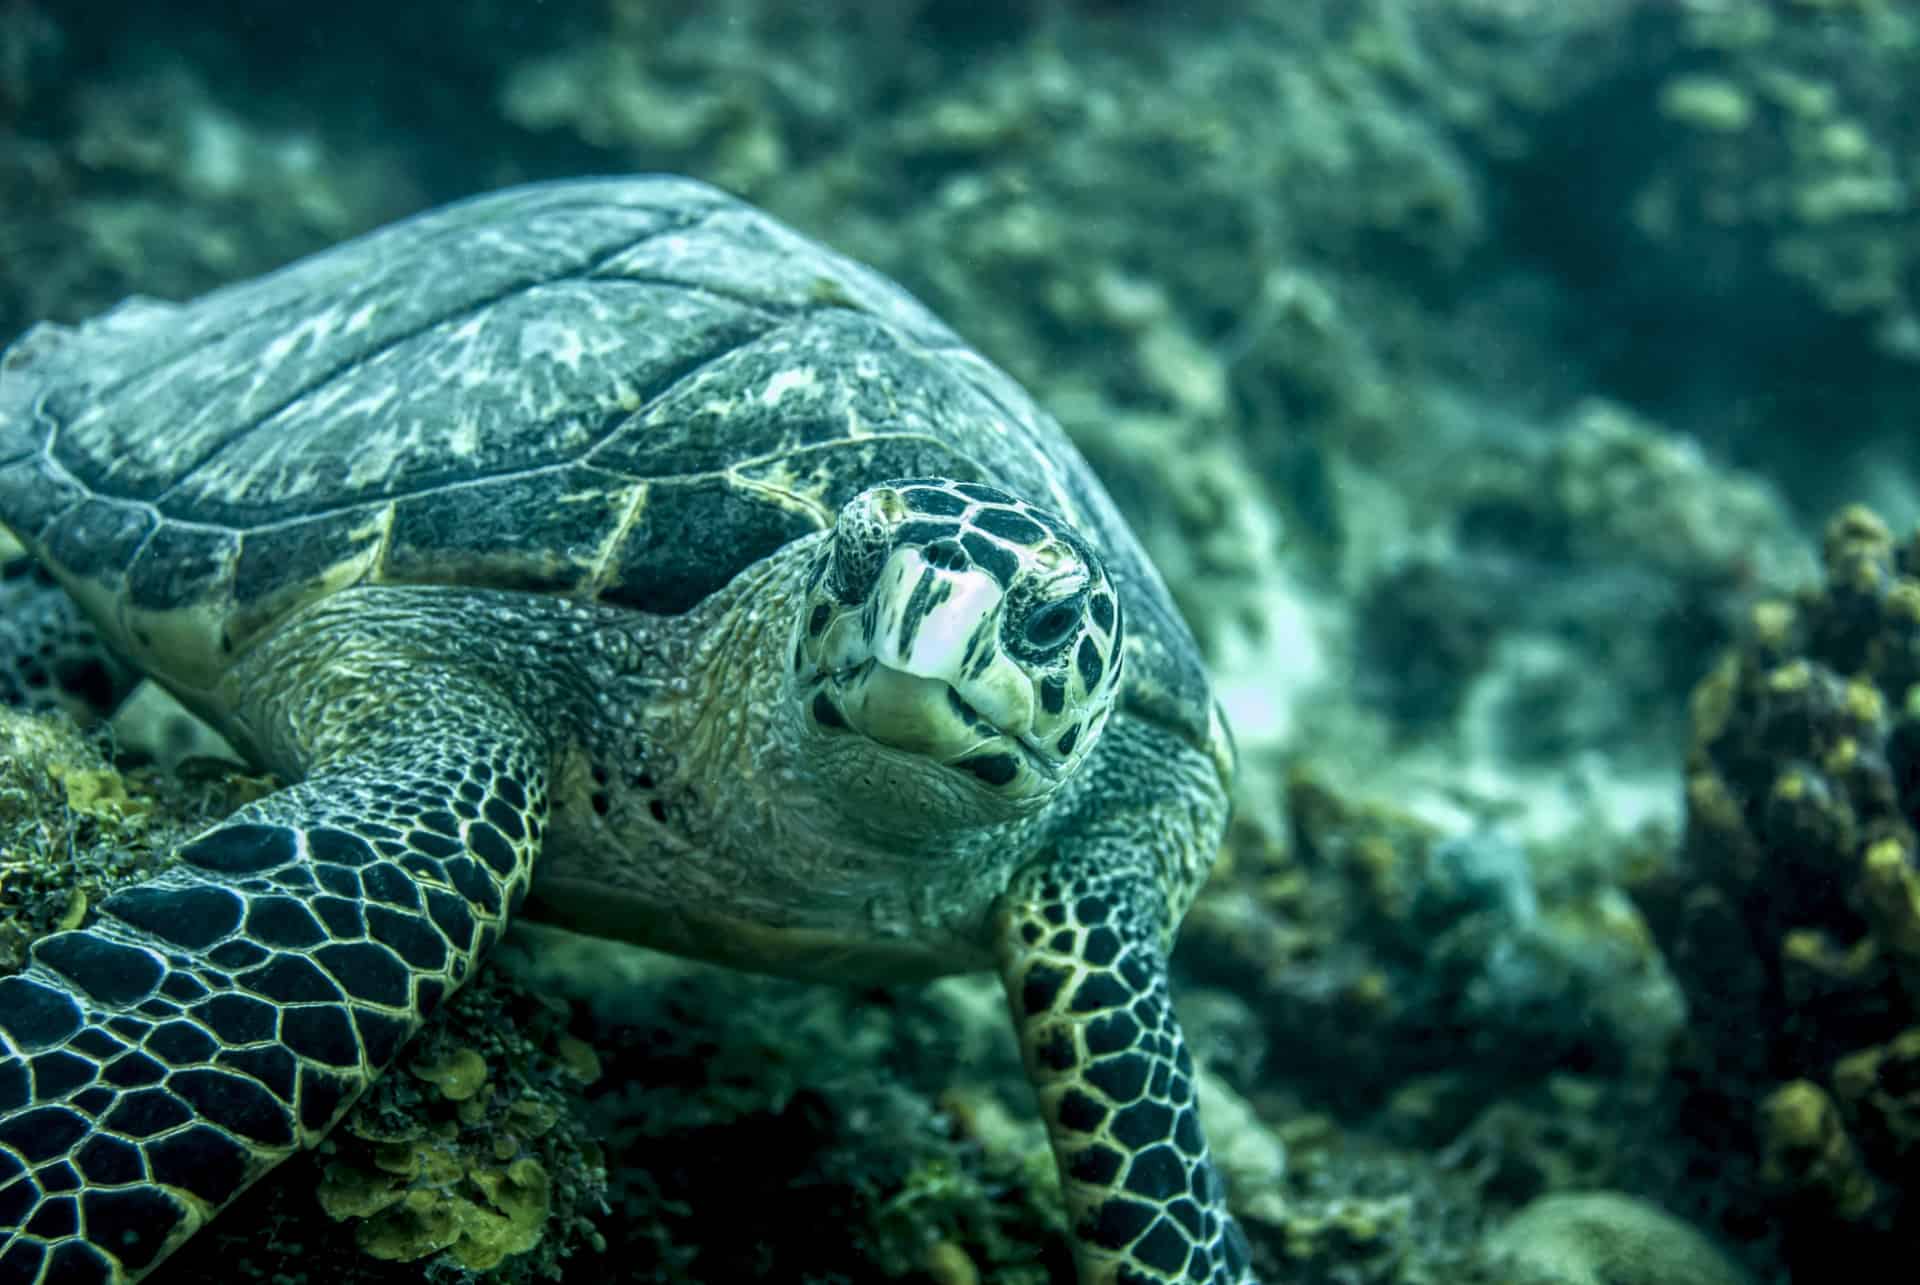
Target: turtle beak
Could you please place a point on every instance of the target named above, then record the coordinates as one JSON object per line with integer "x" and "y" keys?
{"x": 938, "y": 617}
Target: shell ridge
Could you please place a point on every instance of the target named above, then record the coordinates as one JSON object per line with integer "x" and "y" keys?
{"x": 584, "y": 458}
{"x": 251, "y": 318}
{"x": 773, "y": 307}
{"x": 620, "y": 420}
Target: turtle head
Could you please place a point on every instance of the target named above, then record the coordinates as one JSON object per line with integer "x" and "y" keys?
{"x": 951, "y": 628}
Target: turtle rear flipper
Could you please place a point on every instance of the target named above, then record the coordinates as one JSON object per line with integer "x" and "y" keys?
{"x": 51, "y": 657}
{"x": 210, "y": 1021}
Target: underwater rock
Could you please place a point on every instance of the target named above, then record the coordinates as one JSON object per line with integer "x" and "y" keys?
{"x": 1609, "y": 1238}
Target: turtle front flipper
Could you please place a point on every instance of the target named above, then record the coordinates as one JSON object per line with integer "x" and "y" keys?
{"x": 1082, "y": 945}
{"x": 212, "y": 1020}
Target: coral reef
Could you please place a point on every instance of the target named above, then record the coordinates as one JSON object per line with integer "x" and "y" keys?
{"x": 1497, "y": 620}
{"x": 1793, "y": 918}
{"x": 1792, "y": 157}
{"x": 740, "y": 1115}
{"x": 168, "y": 186}
{"x": 1419, "y": 340}
{"x": 1736, "y": 169}
{"x": 1377, "y": 948}
{"x": 1448, "y": 1025}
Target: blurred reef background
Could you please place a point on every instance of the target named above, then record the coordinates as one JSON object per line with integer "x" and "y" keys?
{"x": 1520, "y": 397}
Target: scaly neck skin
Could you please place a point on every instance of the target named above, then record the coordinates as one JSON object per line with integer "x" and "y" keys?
{"x": 685, "y": 782}
{"x": 775, "y": 823}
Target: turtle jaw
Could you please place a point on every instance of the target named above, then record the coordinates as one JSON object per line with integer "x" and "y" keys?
{"x": 927, "y": 717}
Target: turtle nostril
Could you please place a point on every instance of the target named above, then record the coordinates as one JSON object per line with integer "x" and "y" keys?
{"x": 947, "y": 555}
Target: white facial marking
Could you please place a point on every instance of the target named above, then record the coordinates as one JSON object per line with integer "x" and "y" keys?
{"x": 939, "y": 645}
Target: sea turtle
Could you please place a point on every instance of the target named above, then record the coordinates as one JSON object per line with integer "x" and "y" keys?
{"x": 612, "y": 528}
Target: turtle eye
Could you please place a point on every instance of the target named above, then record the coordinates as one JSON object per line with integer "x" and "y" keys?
{"x": 1048, "y": 627}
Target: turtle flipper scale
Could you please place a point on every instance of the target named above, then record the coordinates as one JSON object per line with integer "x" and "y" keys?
{"x": 216, "y": 1018}
{"x": 1087, "y": 980}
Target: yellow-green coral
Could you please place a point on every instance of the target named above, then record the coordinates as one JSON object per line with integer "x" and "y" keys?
{"x": 73, "y": 827}
{"x": 1796, "y": 926}
{"x": 1807, "y": 1154}
{"x": 425, "y": 1194}
{"x": 1890, "y": 887}
{"x": 1880, "y": 1087}
{"x": 457, "y": 1154}
{"x": 502, "y": 1211}
{"x": 459, "y": 1073}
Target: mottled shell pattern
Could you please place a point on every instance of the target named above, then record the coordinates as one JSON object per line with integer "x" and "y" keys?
{"x": 606, "y": 390}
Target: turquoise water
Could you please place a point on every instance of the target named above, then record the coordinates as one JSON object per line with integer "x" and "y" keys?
{"x": 1491, "y": 382}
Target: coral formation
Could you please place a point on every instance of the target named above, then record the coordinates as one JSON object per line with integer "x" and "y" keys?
{"x": 479, "y": 1148}
{"x": 74, "y": 825}
{"x": 741, "y": 1114}
{"x": 1509, "y": 607}
{"x": 1790, "y": 141}
{"x": 1739, "y": 169}
{"x": 1377, "y": 948}
{"x": 1792, "y": 919}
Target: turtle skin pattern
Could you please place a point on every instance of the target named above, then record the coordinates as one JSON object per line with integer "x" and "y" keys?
{"x": 211, "y": 1021}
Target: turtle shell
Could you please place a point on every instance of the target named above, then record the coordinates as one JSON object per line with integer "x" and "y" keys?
{"x": 624, "y": 390}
